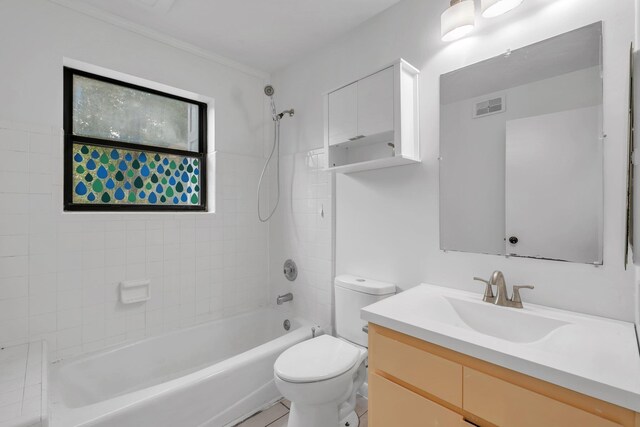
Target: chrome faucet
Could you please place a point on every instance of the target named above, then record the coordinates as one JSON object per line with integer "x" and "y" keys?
{"x": 284, "y": 298}
{"x": 501, "y": 297}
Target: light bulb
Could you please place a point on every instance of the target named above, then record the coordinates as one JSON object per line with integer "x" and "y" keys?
{"x": 493, "y": 8}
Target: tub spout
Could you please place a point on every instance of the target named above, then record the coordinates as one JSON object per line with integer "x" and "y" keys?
{"x": 284, "y": 298}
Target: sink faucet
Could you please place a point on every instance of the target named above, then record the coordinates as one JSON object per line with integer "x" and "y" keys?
{"x": 284, "y": 298}
{"x": 502, "y": 295}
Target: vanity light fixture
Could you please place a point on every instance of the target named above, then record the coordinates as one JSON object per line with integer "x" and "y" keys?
{"x": 458, "y": 20}
{"x": 493, "y": 8}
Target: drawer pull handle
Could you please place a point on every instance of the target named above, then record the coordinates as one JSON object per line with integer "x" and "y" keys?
{"x": 365, "y": 329}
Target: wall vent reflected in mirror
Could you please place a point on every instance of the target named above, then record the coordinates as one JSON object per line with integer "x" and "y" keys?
{"x": 526, "y": 181}
{"x": 488, "y": 107}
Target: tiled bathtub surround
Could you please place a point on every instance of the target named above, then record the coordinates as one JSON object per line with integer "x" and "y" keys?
{"x": 301, "y": 229}
{"x": 23, "y": 387}
{"x": 59, "y": 272}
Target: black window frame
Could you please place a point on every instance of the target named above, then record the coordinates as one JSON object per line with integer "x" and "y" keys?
{"x": 70, "y": 139}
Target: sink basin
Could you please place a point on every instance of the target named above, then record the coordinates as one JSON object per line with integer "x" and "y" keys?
{"x": 511, "y": 324}
{"x": 506, "y": 323}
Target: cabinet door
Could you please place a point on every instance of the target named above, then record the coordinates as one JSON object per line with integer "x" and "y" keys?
{"x": 343, "y": 114}
{"x": 392, "y": 405}
{"x": 432, "y": 374}
{"x": 375, "y": 103}
{"x": 505, "y": 404}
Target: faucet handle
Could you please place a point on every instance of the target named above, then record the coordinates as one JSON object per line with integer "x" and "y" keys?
{"x": 516, "y": 298}
{"x": 488, "y": 290}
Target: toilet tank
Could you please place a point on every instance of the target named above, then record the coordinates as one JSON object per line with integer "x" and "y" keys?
{"x": 353, "y": 293}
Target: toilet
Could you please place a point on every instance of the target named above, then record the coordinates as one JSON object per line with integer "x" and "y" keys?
{"x": 321, "y": 376}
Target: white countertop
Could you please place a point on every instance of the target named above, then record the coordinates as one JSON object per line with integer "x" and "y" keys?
{"x": 592, "y": 355}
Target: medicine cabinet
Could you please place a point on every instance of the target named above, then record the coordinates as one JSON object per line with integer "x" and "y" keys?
{"x": 372, "y": 122}
{"x": 521, "y": 152}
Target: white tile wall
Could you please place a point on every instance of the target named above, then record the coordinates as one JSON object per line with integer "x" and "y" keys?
{"x": 59, "y": 273}
{"x": 302, "y": 230}
{"x": 23, "y": 386}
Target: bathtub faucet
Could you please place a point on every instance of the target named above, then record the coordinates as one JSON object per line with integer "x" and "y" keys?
{"x": 284, "y": 298}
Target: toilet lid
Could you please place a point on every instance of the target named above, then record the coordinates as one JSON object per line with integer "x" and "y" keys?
{"x": 316, "y": 359}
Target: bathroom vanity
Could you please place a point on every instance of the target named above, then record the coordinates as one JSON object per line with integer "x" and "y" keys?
{"x": 444, "y": 357}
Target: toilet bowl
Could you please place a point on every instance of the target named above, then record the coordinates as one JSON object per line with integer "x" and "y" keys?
{"x": 321, "y": 376}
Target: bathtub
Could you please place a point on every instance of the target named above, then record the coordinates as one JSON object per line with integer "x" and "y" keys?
{"x": 214, "y": 374}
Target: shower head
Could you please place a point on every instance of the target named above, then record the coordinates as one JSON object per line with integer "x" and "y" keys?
{"x": 290, "y": 112}
{"x": 268, "y": 90}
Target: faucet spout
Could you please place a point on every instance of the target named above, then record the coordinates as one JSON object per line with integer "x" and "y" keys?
{"x": 284, "y": 298}
{"x": 502, "y": 294}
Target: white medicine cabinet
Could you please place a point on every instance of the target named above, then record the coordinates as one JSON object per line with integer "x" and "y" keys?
{"x": 373, "y": 122}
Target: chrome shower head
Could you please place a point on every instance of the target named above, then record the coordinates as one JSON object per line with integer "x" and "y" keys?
{"x": 268, "y": 90}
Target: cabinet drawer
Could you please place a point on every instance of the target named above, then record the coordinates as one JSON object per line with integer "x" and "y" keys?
{"x": 392, "y": 405}
{"x": 505, "y": 404}
{"x": 432, "y": 374}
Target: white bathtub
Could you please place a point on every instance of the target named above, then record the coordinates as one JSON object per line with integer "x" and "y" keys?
{"x": 212, "y": 374}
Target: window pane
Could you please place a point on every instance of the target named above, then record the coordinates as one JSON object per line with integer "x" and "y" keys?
{"x": 108, "y": 111}
{"x": 105, "y": 175}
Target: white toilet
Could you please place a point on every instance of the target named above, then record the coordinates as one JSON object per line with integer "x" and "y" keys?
{"x": 321, "y": 376}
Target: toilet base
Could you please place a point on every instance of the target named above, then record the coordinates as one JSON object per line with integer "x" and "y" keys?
{"x": 306, "y": 416}
{"x": 350, "y": 420}
{"x": 313, "y": 415}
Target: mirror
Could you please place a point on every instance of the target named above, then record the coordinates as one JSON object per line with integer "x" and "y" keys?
{"x": 521, "y": 155}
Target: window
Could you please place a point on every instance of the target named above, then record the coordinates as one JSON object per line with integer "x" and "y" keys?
{"x": 131, "y": 148}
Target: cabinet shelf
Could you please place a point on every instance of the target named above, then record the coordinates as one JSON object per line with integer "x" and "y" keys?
{"x": 385, "y": 162}
{"x": 378, "y": 138}
{"x": 372, "y": 122}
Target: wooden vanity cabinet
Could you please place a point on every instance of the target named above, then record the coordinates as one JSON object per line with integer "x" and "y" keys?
{"x": 415, "y": 383}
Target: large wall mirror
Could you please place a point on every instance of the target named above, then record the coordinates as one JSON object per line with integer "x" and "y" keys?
{"x": 521, "y": 152}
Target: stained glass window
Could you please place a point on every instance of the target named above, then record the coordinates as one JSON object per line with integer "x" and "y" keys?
{"x": 131, "y": 148}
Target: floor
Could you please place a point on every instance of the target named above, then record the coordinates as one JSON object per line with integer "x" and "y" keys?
{"x": 278, "y": 415}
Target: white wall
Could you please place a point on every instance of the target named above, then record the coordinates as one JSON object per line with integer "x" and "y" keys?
{"x": 59, "y": 272}
{"x": 387, "y": 220}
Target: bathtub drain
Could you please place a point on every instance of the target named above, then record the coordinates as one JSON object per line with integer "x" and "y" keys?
{"x": 287, "y": 325}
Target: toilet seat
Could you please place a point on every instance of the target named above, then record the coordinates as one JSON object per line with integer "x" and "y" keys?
{"x": 317, "y": 359}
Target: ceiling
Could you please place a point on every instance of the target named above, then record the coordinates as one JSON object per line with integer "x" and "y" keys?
{"x": 264, "y": 34}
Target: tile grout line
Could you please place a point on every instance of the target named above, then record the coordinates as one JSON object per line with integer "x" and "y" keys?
{"x": 24, "y": 386}
{"x": 27, "y": 273}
